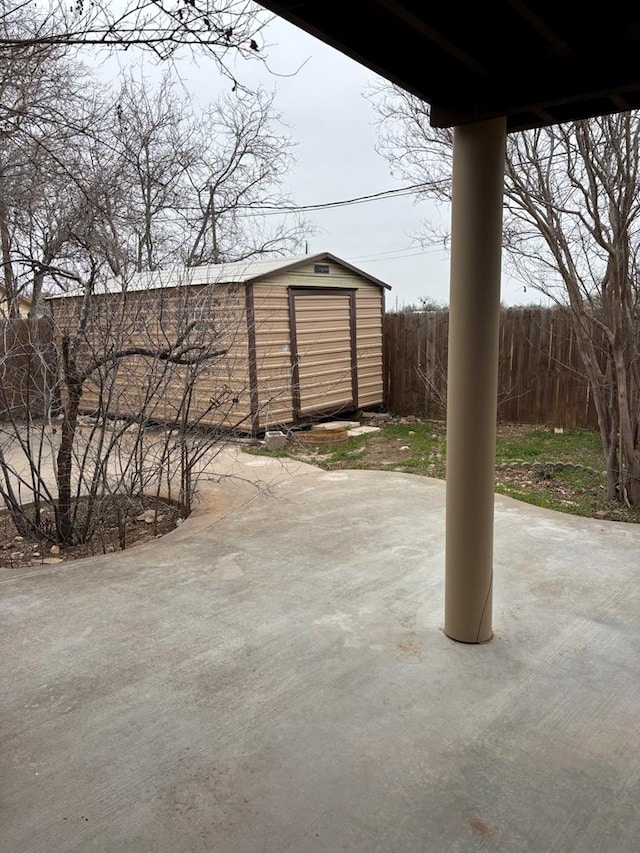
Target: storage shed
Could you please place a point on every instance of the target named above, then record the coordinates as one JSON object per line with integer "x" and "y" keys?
{"x": 302, "y": 337}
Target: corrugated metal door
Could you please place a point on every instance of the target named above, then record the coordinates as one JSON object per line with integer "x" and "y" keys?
{"x": 323, "y": 350}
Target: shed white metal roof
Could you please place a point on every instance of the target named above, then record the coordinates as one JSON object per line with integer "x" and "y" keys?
{"x": 239, "y": 272}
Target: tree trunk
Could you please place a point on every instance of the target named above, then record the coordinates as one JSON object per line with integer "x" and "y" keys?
{"x": 36, "y": 298}
{"x": 73, "y": 387}
{"x": 632, "y": 481}
{"x": 7, "y": 268}
{"x": 612, "y": 461}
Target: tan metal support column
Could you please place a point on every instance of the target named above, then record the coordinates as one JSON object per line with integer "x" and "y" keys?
{"x": 474, "y": 317}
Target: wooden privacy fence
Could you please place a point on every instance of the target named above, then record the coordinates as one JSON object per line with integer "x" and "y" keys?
{"x": 541, "y": 379}
{"x": 27, "y": 367}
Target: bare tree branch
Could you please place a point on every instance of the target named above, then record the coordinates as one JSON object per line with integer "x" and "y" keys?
{"x": 572, "y": 231}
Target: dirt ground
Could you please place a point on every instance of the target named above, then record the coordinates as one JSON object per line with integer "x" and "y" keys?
{"x": 577, "y": 491}
{"x": 140, "y": 525}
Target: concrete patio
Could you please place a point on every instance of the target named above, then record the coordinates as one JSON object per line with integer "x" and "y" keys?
{"x": 273, "y": 676}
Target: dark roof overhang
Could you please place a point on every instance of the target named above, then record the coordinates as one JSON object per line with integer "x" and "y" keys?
{"x": 536, "y": 63}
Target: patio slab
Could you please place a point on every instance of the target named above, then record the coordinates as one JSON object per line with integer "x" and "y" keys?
{"x": 273, "y": 676}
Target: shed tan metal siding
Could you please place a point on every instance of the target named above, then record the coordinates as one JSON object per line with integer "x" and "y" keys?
{"x": 369, "y": 310}
{"x": 253, "y": 322}
{"x": 156, "y": 318}
{"x": 273, "y": 355}
{"x": 273, "y": 340}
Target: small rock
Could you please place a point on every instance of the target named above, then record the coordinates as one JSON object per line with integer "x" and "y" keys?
{"x": 363, "y": 430}
{"x": 51, "y": 561}
{"x": 275, "y": 440}
{"x": 148, "y": 516}
{"x": 411, "y": 432}
{"x": 332, "y": 425}
{"x": 405, "y": 447}
{"x": 55, "y": 550}
{"x": 558, "y": 430}
{"x": 110, "y": 549}
{"x": 36, "y": 554}
{"x": 179, "y": 521}
{"x": 18, "y": 538}
{"x": 601, "y": 514}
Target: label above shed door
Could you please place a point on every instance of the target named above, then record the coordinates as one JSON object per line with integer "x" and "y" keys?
{"x": 321, "y": 269}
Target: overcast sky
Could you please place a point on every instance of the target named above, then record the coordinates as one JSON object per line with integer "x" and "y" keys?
{"x": 333, "y": 125}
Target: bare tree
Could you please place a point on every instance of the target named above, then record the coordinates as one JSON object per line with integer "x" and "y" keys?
{"x": 222, "y": 28}
{"x": 157, "y": 181}
{"x": 572, "y": 230}
{"x": 152, "y": 144}
{"x": 245, "y": 154}
{"x": 194, "y": 178}
{"x": 31, "y": 84}
{"x": 46, "y": 121}
{"x": 62, "y": 474}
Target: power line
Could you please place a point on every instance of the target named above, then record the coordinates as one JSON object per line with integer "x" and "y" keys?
{"x": 272, "y": 210}
{"x": 362, "y": 199}
{"x": 412, "y": 189}
{"x": 409, "y": 252}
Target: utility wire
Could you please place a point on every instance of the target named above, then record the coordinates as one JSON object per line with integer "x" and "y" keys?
{"x": 407, "y": 252}
{"x": 271, "y": 210}
{"x": 412, "y": 189}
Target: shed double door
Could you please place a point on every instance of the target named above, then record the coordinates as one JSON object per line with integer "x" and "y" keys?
{"x": 323, "y": 350}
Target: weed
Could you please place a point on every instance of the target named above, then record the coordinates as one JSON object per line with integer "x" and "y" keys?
{"x": 420, "y": 448}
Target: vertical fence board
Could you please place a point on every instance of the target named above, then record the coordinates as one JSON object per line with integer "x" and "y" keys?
{"x": 27, "y": 367}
